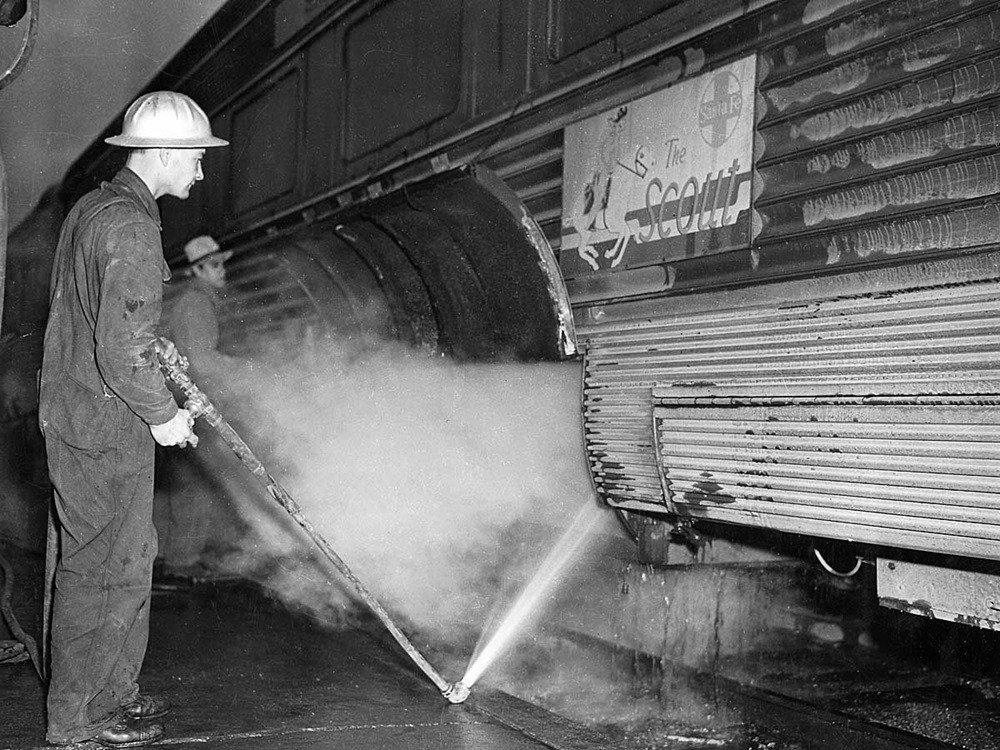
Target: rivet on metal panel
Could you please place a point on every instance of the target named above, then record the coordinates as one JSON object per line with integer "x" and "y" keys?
{"x": 440, "y": 163}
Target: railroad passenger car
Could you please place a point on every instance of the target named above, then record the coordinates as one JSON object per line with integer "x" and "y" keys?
{"x": 769, "y": 228}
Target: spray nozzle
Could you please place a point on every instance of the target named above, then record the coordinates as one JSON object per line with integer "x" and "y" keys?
{"x": 457, "y": 692}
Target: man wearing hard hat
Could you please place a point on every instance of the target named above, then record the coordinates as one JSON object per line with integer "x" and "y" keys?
{"x": 103, "y": 405}
{"x": 194, "y": 320}
{"x": 191, "y": 321}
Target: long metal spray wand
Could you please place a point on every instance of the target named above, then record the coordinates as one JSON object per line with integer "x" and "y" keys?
{"x": 174, "y": 366}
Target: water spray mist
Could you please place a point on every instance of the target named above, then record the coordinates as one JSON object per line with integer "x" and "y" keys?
{"x": 174, "y": 366}
{"x": 527, "y": 606}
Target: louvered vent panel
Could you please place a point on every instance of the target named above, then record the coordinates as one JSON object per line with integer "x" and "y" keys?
{"x": 908, "y": 344}
{"x": 909, "y": 474}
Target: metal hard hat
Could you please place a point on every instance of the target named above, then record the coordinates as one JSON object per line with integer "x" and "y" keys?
{"x": 165, "y": 119}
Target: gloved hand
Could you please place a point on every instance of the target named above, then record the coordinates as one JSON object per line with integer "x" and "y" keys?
{"x": 178, "y": 431}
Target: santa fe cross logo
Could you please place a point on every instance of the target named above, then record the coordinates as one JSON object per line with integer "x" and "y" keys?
{"x": 720, "y": 108}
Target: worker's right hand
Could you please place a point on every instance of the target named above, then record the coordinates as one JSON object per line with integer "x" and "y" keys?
{"x": 178, "y": 431}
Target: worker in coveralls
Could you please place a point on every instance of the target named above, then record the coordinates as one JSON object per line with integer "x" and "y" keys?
{"x": 183, "y": 519}
{"x": 194, "y": 321}
{"x": 102, "y": 404}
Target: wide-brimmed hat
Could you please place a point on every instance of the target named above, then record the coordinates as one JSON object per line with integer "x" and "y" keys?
{"x": 203, "y": 247}
{"x": 165, "y": 119}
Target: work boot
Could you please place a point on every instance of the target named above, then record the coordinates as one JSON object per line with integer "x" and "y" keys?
{"x": 129, "y": 733}
{"x": 146, "y": 707}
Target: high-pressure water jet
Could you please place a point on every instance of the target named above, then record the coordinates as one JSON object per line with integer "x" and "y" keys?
{"x": 528, "y": 604}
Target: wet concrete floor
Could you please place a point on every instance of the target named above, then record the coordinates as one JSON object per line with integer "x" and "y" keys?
{"x": 245, "y": 672}
{"x": 242, "y": 672}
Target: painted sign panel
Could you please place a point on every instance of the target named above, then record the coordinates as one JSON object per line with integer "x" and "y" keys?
{"x": 663, "y": 178}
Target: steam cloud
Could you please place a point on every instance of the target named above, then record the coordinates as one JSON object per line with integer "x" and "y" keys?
{"x": 433, "y": 480}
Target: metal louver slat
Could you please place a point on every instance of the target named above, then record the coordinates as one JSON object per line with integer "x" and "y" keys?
{"x": 919, "y": 473}
{"x": 812, "y": 450}
{"x": 845, "y": 427}
{"x": 853, "y": 312}
{"x": 862, "y": 493}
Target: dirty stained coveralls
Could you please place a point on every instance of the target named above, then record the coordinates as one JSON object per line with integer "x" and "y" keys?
{"x": 101, "y": 388}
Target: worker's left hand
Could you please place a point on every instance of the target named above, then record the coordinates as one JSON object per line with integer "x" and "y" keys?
{"x": 167, "y": 352}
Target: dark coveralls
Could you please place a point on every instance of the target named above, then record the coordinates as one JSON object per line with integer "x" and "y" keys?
{"x": 194, "y": 325}
{"x": 101, "y": 388}
{"x": 183, "y": 518}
